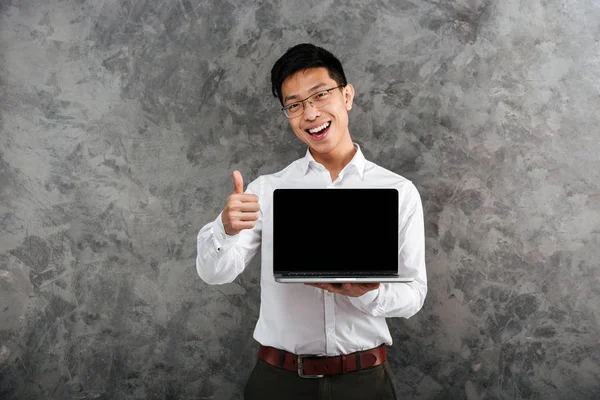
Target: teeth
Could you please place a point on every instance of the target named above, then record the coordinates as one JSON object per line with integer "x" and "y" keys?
{"x": 319, "y": 128}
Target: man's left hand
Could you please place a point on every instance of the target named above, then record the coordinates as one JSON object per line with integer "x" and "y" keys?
{"x": 347, "y": 289}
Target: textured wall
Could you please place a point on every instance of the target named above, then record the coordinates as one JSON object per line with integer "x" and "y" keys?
{"x": 122, "y": 121}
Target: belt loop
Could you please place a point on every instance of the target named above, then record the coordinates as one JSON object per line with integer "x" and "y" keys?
{"x": 358, "y": 362}
{"x": 281, "y": 358}
{"x": 344, "y": 363}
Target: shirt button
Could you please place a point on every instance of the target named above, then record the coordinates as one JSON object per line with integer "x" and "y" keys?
{"x": 328, "y": 293}
{"x": 330, "y": 330}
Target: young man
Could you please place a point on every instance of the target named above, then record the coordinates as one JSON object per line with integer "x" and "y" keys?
{"x": 343, "y": 326}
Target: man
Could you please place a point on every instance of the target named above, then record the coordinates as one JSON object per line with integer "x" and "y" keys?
{"x": 343, "y": 325}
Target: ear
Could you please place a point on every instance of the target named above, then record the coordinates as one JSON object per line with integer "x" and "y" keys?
{"x": 349, "y": 96}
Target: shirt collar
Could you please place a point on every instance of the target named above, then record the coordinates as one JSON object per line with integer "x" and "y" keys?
{"x": 357, "y": 162}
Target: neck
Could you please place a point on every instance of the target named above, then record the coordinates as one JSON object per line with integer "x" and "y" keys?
{"x": 337, "y": 159}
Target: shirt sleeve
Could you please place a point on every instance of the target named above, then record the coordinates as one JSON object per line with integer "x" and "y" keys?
{"x": 402, "y": 299}
{"x": 222, "y": 257}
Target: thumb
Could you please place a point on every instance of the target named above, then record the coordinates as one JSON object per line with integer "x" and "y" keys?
{"x": 238, "y": 182}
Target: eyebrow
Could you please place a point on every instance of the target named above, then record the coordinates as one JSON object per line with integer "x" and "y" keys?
{"x": 293, "y": 97}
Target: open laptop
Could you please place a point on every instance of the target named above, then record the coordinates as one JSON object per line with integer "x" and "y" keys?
{"x": 336, "y": 235}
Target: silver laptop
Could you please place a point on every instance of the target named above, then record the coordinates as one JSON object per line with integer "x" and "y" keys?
{"x": 336, "y": 235}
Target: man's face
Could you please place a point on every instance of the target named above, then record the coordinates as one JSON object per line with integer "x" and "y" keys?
{"x": 323, "y": 129}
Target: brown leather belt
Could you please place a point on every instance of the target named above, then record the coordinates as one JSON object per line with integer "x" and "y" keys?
{"x": 316, "y": 367}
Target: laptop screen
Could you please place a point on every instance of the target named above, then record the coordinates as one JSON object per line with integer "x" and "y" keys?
{"x": 334, "y": 230}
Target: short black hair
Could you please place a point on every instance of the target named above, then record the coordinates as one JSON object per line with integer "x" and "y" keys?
{"x": 302, "y": 57}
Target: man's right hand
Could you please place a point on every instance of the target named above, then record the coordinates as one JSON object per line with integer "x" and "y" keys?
{"x": 241, "y": 210}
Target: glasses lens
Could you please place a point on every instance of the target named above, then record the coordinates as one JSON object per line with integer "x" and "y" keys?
{"x": 321, "y": 98}
{"x": 293, "y": 110}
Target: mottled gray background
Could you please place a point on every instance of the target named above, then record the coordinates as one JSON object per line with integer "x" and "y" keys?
{"x": 123, "y": 120}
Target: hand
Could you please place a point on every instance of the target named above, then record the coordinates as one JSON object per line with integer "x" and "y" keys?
{"x": 241, "y": 210}
{"x": 347, "y": 289}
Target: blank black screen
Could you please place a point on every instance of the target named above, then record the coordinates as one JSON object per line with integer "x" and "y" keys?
{"x": 335, "y": 230}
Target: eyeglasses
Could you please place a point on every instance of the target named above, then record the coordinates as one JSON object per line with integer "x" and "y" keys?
{"x": 316, "y": 100}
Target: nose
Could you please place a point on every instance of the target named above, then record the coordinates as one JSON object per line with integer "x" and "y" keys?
{"x": 310, "y": 112}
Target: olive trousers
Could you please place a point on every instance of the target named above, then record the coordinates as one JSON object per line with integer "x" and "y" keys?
{"x": 268, "y": 382}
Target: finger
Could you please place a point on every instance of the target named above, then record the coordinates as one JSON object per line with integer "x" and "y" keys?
{"x": 238, "y": 182}
{"x": 245, "y": 216}
{"x": 370, "y": 286}
{"x": 249, "y": 198}
{"x": 241, "y": 225}
{"x": 331, "y": 287}
{"x": 244, "y": 198}
{"x": 246, "y": 207}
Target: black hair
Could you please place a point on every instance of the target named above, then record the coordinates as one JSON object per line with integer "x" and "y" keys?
{"x": 301, "y": 57}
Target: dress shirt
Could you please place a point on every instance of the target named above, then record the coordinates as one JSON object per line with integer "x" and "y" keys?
{"x": 303, "y": 319}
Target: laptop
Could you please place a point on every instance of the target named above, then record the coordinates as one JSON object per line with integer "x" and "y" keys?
{"x": 336, "y": 235}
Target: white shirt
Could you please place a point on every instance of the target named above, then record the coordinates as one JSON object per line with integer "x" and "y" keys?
{"x": 303, "y": 319}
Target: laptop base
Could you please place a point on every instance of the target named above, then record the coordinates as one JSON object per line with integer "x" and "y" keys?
{"x": 341, "y": 279}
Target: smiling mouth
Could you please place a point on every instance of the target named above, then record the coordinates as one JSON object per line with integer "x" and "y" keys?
{"x": 319, "y": 129}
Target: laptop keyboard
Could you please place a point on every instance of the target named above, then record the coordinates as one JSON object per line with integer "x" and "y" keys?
{"x": 336, "y": 274}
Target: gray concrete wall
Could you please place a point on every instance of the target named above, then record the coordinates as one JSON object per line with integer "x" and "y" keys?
{"x": 122, "y": 122}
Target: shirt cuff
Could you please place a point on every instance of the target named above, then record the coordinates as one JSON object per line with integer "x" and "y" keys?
{"x": 367, "y": 302}
{"x": 222, "y": 239}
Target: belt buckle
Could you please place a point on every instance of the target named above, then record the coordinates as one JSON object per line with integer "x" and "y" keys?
{"x": 301, "y": 368}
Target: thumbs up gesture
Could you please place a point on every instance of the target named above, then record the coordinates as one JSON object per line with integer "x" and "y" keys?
{"x": 241, "y": 210}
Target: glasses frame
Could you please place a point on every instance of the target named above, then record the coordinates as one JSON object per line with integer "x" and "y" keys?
{"x": 285, "y": 109}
